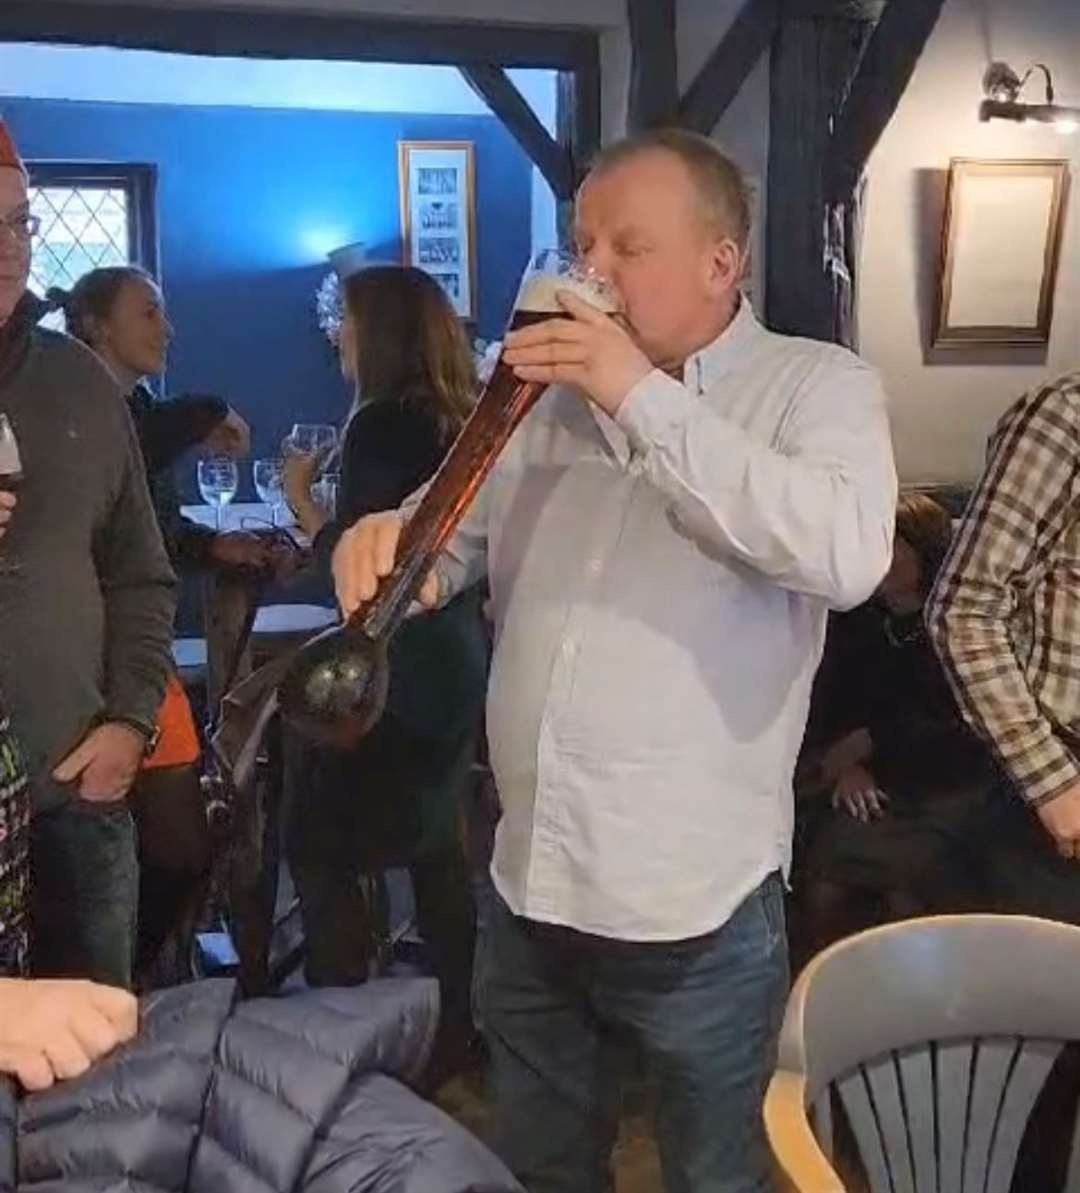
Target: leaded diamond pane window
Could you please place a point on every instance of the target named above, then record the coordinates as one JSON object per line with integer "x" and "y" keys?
{"x": 82, "y": 227}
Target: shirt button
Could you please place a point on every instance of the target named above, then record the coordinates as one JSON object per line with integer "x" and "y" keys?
{"x": 569, "y": 649}
{"x": 595, "y": 566}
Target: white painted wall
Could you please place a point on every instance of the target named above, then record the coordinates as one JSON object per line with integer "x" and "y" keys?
{"x": 942, "y": 413}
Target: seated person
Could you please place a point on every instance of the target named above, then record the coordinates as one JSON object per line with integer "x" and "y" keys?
{"x": 908, "y": 780}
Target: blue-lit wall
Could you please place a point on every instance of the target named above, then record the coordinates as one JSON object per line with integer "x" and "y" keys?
{"x": 249, "y": 202}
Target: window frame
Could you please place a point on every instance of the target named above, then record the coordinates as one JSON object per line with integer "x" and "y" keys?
{"x": 137, "y": 179}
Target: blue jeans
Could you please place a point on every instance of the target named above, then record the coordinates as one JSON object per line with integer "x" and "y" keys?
{"x": 705, "y": 1014}
{"x": 85, "y": 886}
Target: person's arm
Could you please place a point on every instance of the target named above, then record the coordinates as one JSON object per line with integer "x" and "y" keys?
{"x": 139, "y": 590}
{"x": 367, "y": 549}
{"x": 1020, "y": 510}
{"x": 54, "y": 1030}
{"x": 388, "y": 457}
{"x": 813, "y": 511}
{"x": 168, "y": 429}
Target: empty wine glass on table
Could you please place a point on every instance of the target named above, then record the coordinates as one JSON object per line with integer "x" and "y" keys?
{"x": 269, "y": 479}
{"x": 11, "y": 474}
{"x": 219, "y": 478}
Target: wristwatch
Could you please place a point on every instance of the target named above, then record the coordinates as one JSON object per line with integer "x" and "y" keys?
{"x": 151, "y": 734}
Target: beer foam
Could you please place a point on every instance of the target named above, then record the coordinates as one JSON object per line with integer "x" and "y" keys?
{"x": 539, "y": 291}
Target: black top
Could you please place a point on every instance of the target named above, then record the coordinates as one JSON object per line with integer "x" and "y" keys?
{"x": 166, "y": 430}
{"x": 880, "y": 673}
{"x": 390, "y": 450}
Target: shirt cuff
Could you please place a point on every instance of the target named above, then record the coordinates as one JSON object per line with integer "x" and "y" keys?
{"x": 654, "y": 410}
{"x": 1041, "y": 782}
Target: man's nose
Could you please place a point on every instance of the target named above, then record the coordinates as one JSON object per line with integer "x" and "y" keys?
{"x": 599, "y": 260}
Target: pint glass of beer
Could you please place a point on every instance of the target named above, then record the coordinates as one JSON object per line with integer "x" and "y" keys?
{"x": 552, "y": 270}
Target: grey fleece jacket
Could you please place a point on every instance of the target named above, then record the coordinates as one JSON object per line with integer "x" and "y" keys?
{"x": 86, "y": 616}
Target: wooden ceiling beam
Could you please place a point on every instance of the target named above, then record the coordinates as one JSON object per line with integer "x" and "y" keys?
{"x": 654, "y": 74}
{"x": 497, "y": 90}
{"x": 885, "y": 70}
{"x": 728, "y": 67}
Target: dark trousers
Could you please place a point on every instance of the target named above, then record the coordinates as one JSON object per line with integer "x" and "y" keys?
{"x": 705, "y": 1014}
{"x": 355, "y": 813}
{"x": 174, "y": 868}
{"x": 84, "y": 879}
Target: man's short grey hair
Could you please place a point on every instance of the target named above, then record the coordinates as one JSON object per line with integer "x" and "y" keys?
{"x": 718, "y": 179}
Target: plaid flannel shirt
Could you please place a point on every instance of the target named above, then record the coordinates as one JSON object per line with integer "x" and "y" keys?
{"x": 1005, "y": 611}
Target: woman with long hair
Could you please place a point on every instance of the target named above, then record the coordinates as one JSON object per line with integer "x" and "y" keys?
{"x": 395, "y": 799}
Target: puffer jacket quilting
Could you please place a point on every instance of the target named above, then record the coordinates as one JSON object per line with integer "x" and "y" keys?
{"x": 302, "y": 1093}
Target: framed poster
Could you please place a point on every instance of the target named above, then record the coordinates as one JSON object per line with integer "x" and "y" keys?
{"x": 1000, "y": 244}
{"x": 437, "y": 183}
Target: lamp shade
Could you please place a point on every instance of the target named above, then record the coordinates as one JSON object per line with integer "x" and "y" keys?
{"x": 349, "y": 259}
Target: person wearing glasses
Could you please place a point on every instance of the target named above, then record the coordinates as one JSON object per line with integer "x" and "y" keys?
{"x": 86, "y": 612}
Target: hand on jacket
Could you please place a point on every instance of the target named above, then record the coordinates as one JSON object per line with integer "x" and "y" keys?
{"x": 231, "y": 437}
{"x": 105, "y": 763}
{"x": 7, "y": 504}
{"x": 54, "y": 1030}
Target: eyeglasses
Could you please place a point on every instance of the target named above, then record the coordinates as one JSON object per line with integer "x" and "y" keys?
{"x": 21, "y": 227}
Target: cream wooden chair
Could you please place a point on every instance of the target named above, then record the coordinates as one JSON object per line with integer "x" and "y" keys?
{"x": 934, "y": 1038}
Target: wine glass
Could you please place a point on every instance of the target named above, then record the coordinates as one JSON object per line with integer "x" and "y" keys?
{"x": 219, "y": 478}
{"x": 325, "y": 492}
{"x": 313, "y": 439}
{"x": 269, "y": 478}
{"x": 11, "y": 473}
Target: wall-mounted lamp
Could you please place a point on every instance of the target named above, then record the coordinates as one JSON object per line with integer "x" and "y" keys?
{"x": 1003, "y": 86}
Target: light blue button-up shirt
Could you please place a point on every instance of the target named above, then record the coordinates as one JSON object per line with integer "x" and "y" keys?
{"x": 660, "y": 584}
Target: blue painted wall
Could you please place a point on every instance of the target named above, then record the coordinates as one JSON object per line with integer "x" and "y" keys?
{"x": 249, "y": 202}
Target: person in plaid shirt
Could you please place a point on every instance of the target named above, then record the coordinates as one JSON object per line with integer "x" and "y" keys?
{"x": 1005, "y": 619}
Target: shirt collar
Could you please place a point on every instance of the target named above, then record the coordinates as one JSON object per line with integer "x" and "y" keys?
{"x": 707, "y": 365}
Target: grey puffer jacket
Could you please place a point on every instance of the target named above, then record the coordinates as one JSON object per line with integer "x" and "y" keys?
{"x": 303, "y": 1093}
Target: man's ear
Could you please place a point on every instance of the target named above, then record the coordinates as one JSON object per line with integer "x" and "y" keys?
{"x": 726, "y": 266}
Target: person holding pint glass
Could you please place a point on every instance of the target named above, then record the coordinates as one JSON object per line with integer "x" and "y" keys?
{"x": 663, "y": 538}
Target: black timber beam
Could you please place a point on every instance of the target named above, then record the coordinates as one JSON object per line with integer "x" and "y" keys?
{"x": 497, "y": 90}
{"x": 728, "y": 67}
{"x": 263, "y": 33}
{"x": 885, "y": 70}
{"x": 654, "y": 74}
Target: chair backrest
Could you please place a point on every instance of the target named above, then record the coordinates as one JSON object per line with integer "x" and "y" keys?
{"x": 936, "y": 1037}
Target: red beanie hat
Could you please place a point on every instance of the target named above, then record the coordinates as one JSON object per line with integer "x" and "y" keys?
{"x": 9, "y": 155}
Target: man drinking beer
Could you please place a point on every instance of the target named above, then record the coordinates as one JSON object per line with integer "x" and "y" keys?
{"x": 663, "y": 536}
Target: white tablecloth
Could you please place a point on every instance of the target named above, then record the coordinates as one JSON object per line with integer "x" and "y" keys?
{"x": 240, "y": 515}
